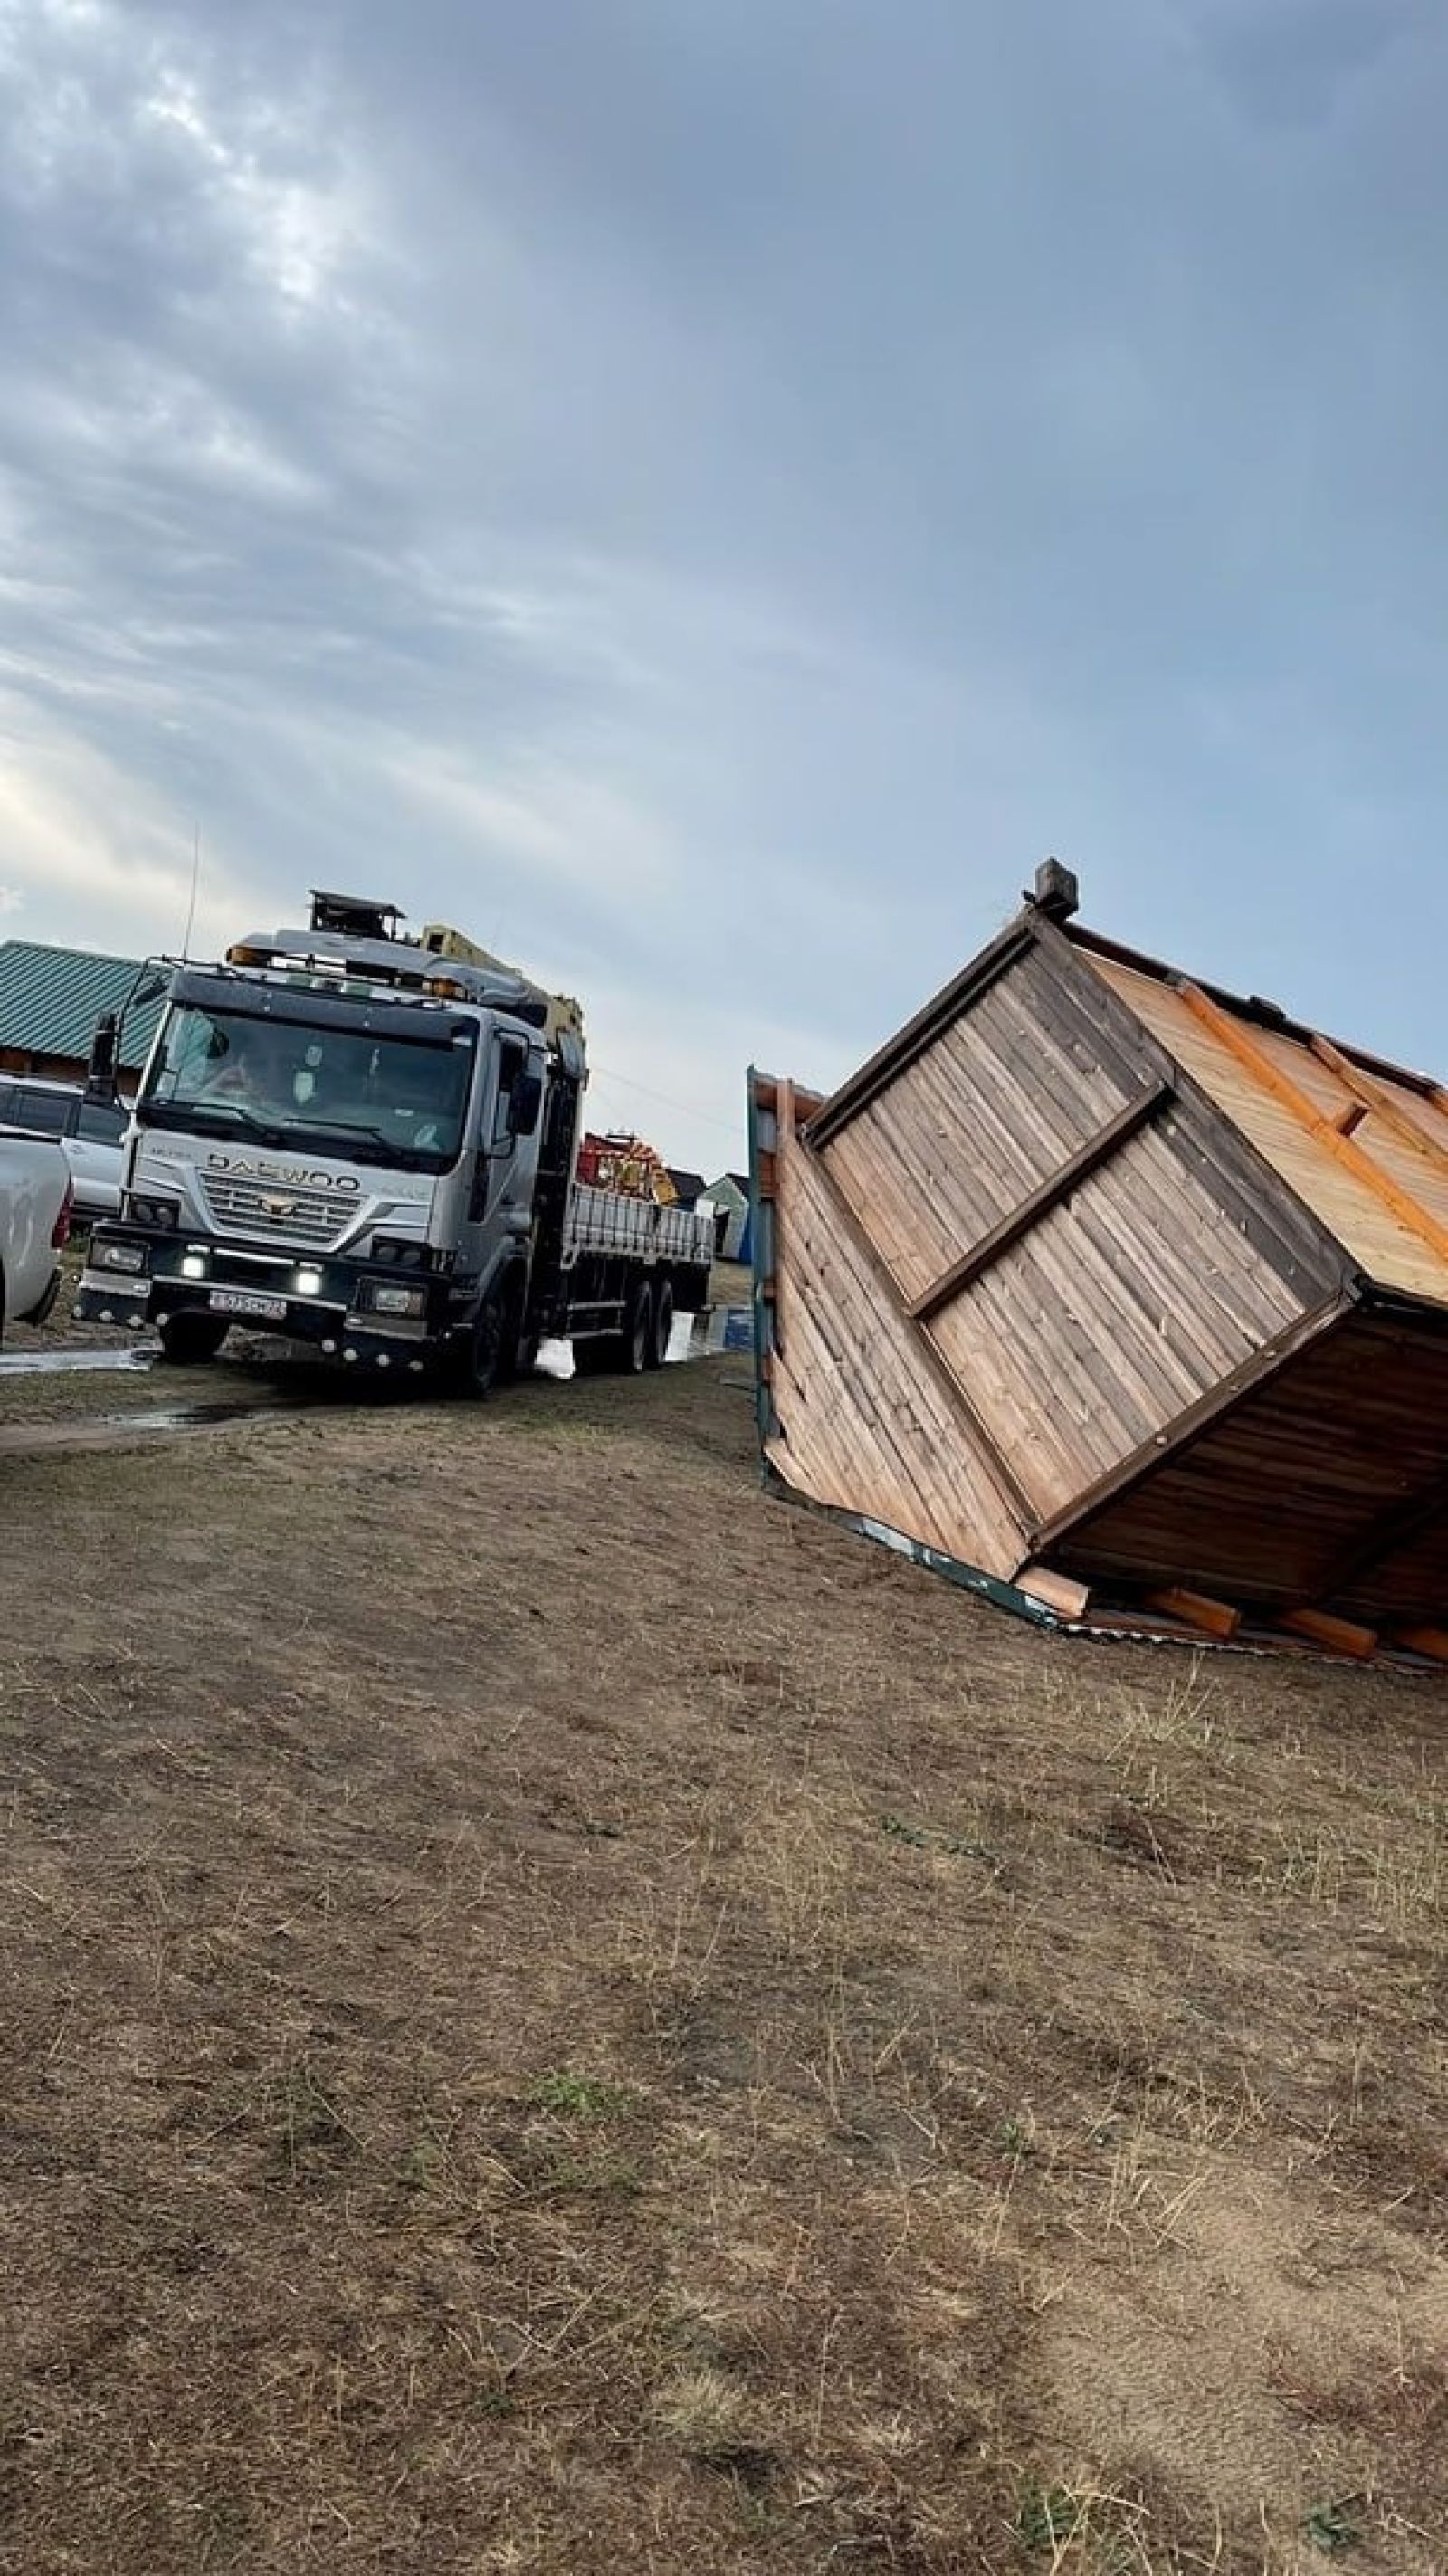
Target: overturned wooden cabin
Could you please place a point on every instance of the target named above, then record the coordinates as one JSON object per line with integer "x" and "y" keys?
{"x": 1096, "y": 1276}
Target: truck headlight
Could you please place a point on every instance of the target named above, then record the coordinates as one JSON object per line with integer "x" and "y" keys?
{"x": 398, "y": 1301}
{"x": 163, "y": 1214}
{"x": 119, "y": 1256}
{"x": 400, "y": 1251}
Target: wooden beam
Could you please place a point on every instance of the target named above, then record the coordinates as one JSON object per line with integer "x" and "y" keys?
{"x": 1239, "y": 1041}
{"x": 1377, "y": 1099}
{"x": 1432, "y": 1642}
{"x": 1056, "y": 1186}
{"x": 1017, "y": 1501}
{"x": 1339, "y": 1636}
{"x": 1060, "y": 1592}
{"x": 1196, "y": 1610}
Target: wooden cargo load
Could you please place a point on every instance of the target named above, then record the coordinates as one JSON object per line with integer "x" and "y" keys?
{"x": 1095, "y": 1276}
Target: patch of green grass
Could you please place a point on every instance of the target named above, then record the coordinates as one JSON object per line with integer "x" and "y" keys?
{"x": 420, "y": 2162}
{"x": 1050, "y": 2518}
{"x": 1330, "y": 2527}
{"x": 580, "y": 2097}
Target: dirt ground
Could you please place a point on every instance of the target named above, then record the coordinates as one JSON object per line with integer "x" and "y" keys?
{"x": 563, "y": 2015}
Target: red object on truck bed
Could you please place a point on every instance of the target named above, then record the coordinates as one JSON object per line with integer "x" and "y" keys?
{"x": 626, "y": 1165}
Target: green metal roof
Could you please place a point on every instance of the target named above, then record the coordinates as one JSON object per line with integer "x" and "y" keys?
{"x": 51, "y": 998}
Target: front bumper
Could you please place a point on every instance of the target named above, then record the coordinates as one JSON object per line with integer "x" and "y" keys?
{"x": 337, "y": 1315}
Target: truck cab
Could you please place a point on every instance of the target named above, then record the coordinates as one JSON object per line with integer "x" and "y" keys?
{"x": 337, "y": 1138}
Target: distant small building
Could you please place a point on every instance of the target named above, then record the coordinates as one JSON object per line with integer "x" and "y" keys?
{"x": 730, "y": 1194}
{"x": 688, "y": 1186}
{"x": 50, "y": 1001}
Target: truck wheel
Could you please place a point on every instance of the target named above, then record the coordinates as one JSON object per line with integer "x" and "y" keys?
{"x": 658, "y": 1350}
{"x": 516, "y": 1351}
{"x": 637, "y": 1353}
{"x": 481, "y": 1357}
{"x": 189, "y": 1339}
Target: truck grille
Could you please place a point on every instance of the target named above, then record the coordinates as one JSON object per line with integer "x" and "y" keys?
{"x": 271, "y": 1209}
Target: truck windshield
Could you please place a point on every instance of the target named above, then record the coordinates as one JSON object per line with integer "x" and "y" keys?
{"x": 364, "y": 1098}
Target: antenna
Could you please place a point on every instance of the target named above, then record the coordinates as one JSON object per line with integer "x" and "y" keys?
{"x": 195, "y": 882}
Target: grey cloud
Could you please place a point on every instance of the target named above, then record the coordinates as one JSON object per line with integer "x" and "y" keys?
{"x": 631, "y": 472}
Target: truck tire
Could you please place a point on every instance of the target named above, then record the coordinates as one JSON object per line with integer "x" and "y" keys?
{"x": 637, "y": 1345}
{"x": 659, "y": 1339}
{"x": 188, "y": 1339}
{"x": 517, "y": 1350}
{"x": 480, "y": 1359}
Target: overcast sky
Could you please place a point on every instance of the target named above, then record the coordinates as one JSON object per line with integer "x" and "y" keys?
{"x": 706, "y": 496}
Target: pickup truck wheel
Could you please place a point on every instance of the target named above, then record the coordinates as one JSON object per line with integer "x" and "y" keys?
{"x": 188, "y": 1339}
{"x": 659, "y": 1340}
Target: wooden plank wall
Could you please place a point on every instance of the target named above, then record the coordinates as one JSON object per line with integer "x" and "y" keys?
{"x": 1118, "y": 1312}
{"x": 997, "y": 1103}
{"x": 864, "y": 1419}
{"x": 1123, "y": 1304}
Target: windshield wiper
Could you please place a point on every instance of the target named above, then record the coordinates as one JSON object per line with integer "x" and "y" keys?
{"x": 408, "y": 1158}
{"x": 365, "y": 1135}
{"x": 289, "y": 1136}
{"x": 200, "y": 1113}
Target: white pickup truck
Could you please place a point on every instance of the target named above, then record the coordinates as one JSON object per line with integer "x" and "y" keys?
{"x": 35, "y": 1203}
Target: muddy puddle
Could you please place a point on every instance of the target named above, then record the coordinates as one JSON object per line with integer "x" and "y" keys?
{"x": 118, "y": 1430}
{"x": 694, "y": 1337}
{"x": 134, "y": 1359}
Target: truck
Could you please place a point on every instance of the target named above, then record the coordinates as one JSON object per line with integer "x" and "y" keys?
{"x": 368, "y": 1142}
{"x": 35, "y": 1204}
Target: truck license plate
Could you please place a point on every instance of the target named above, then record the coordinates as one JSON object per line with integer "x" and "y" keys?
{"x": 235, "y": 1301}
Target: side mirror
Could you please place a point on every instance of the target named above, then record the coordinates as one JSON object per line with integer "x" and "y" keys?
{"x": 101, "y": 1072}
{"x": 527, "y": 1102}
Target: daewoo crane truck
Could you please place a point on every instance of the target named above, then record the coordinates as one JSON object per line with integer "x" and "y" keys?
{"x": 369, "y": 1142}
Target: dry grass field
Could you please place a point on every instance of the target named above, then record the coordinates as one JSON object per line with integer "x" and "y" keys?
{"x": 560, "y": 2015}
